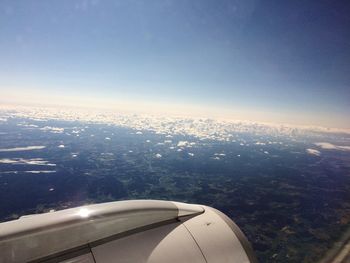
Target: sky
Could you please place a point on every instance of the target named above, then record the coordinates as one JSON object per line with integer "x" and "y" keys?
{"x": 281, "y": 61}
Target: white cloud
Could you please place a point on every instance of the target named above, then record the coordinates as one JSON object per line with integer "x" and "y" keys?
{"x": 182, "y": 143}
{"x": 158, "y": 155}
{"x": 27, "y": 148}
{"x": 8, "y": 161}
{"x": 52, "y": 129}
{"x": 33, "y": 161}
{"x": 28, "y": 125}
{"x": 61, "y": 146}
{"x": 201, "y": 128}
{"x": 219, "y": 154}
{"x": 313, "y": 152}
{"x": 41, "y": 171}
{"x": 330, "y": 146}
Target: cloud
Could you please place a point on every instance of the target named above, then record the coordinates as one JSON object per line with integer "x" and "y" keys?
{"x": 330, "y": 146}
{"x": 182, "y": 143}
{"x": 26, "y": 148}
{"x": 313, "y": 152}
{"x": 260, "y": 143}
{"x": 34, "y": 161}
{"x": 219, "y": 154}
{"x": 41, "y": 171}
{"x": 52, "y": 129}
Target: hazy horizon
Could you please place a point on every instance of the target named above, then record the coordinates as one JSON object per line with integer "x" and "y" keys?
{"x": 170, "y": 111}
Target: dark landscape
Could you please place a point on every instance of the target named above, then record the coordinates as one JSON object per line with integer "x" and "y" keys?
{"x": 289, "y": 193}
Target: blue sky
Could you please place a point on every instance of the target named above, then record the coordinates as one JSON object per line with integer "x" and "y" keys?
{"x": 285, "y": 57}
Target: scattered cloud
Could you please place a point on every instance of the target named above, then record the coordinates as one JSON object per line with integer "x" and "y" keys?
{"x": 182, "y": 143}
{"x": 33, "y": 161}
{"x": 313, "y": 152}
{"x": 41, "y": 171}
{"x": 330, "y": 146}
{"x": 260, "y": 143}
{"x": 26, "y": 148}
{"x": 52, "y": 129}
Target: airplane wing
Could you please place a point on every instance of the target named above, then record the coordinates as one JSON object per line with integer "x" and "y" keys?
{"x": 125, "y": 231}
